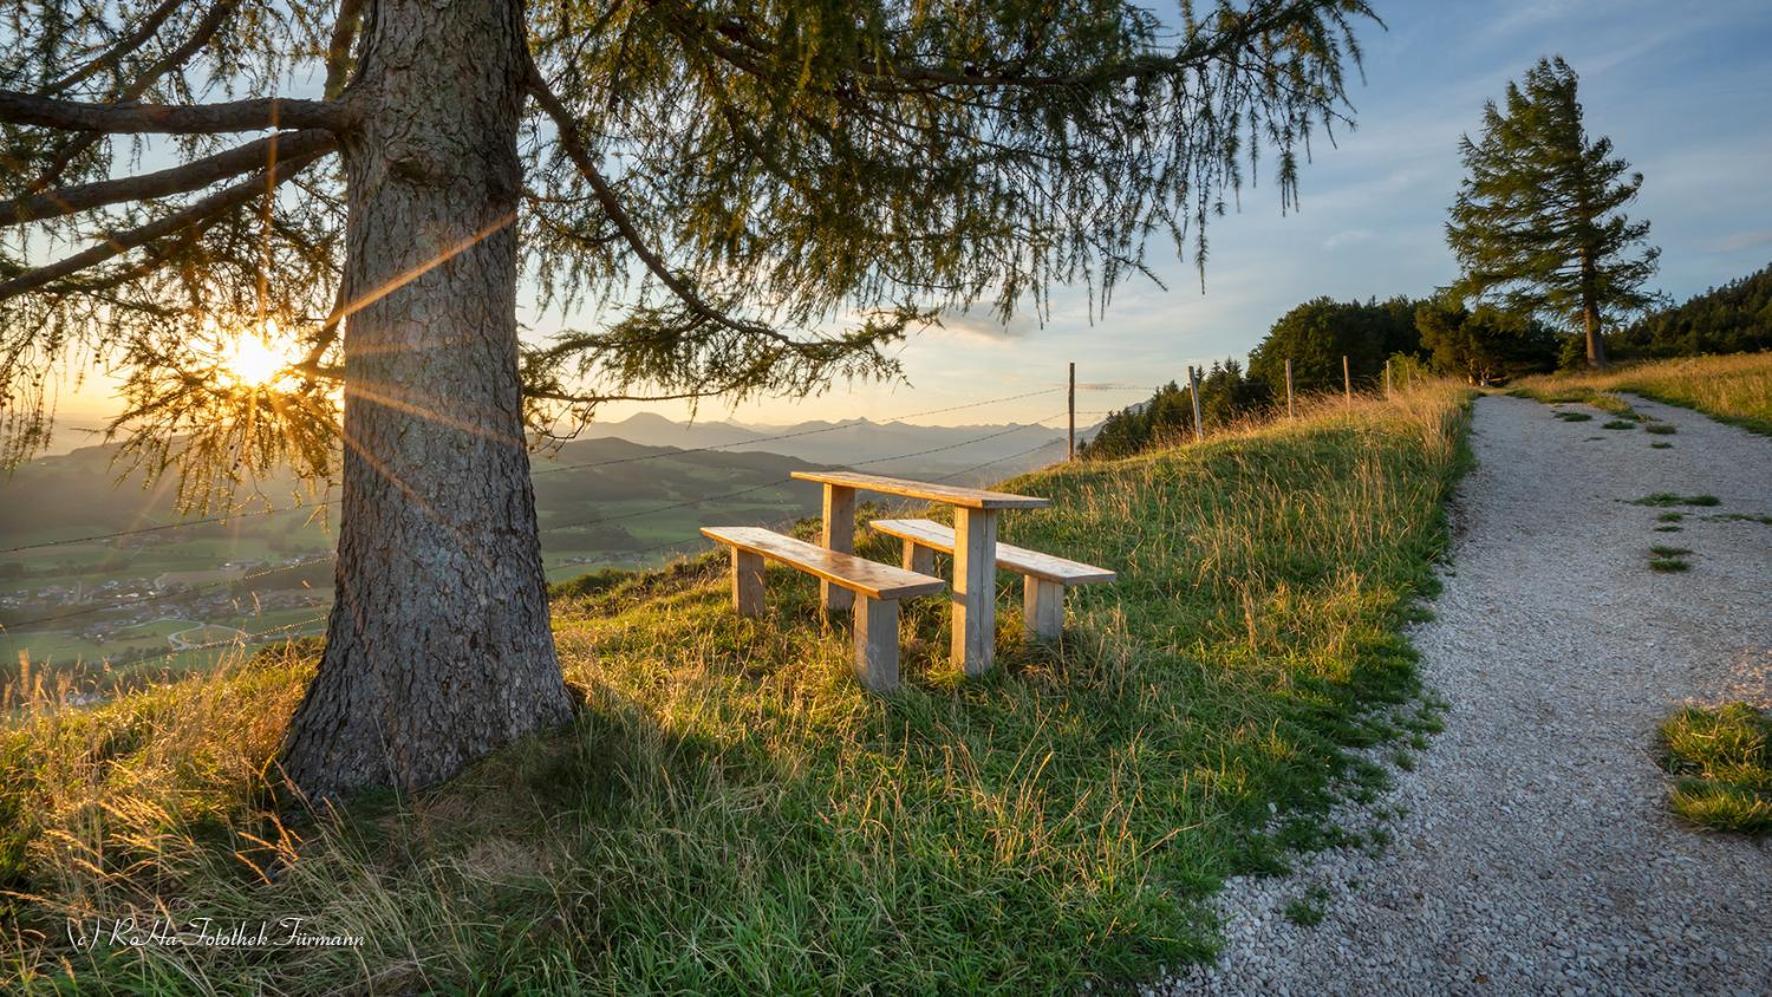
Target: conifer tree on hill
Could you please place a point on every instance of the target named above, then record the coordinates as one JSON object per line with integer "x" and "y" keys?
{"x": 1538, "y": 224}
{"x": 761, "y": 196}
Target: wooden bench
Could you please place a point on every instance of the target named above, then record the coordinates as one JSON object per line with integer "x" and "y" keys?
{"x": 880, "y": 586}
{"x": 1044, "y": 577}
{"x": 974, "y": 592}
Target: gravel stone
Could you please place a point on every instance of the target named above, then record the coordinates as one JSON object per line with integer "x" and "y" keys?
{"x": 1531, "y": 848}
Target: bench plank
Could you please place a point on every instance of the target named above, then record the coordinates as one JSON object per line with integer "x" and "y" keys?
{"x": 928, "y": 533}
{"x": 857, "y": 574}
{"x": 967, "y": 498}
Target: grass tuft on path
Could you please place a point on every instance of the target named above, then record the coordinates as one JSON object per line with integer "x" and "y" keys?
{"x": 1721, "y": 758}
{"x": 1662, "y": 500}
{"x": 731, "y": 813}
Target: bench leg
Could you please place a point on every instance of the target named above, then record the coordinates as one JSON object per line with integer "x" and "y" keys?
{"x": 747, "y": 582}
{"x": 1042, "y": 607}
{"x": 839, "y": 535}
{"x": 919, "y": 558}
{"x": 974, "y": 590}
{"x": 876, "y": 643}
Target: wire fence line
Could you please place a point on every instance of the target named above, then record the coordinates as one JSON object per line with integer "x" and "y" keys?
{"x": 272, "y": 632}
{"x": 674, "y": 452}
{"x": 188, "y": 592}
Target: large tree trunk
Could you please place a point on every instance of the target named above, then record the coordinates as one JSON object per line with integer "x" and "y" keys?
{"x": 438, "y": 650}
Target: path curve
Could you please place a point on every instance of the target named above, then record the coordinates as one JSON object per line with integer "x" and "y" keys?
{"x": 1531, "y": 849}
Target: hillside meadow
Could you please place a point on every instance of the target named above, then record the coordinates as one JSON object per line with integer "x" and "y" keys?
{"x": 731, "y": 813}
{"x": 1736, "y": 389}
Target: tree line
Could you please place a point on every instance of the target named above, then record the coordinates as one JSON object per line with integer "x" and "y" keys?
{"x": 1482, "y": 344}
{"x": 1550, "y": 269}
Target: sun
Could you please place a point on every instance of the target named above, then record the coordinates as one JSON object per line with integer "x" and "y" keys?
{"x": 259, "y": 360}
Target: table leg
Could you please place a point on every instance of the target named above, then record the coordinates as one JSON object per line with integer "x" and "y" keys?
{"x": 747, "y": 582}
{"x": 839, "y": 535}
{"x": 918, "y": 558}
{"x": 974, "y": 590}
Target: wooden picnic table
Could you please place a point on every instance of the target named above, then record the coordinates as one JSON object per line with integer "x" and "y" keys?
{"x": 974, "y": 590}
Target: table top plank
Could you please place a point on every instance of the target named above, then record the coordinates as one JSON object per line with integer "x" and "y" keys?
{"x": 870, "y": 578}
{"x": 1018, "y": 559}
{"x": 969, "y": 498}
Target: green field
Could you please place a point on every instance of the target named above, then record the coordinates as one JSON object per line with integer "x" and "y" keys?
{"x": 615, "y": 512}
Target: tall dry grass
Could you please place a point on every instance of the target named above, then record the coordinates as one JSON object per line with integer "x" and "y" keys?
{"x": 1735, "y": 389}
{"x": 730, "y": 812}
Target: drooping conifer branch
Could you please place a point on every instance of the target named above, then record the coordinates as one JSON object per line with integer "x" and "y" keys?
{"x": 173, "y": 119}
{"x": 194, "y": 175}
{"x": 118, "y": 243}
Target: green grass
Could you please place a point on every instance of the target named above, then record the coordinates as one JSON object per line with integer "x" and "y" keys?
{"x": 1660, "y": 428}
{"x": 1665, "y": 499}
{"x": 1619, "y": 424}
{"x": 1555, "y": 394}
{"x": 1721, "y": 759}
{"x": 1661, "y": 446}
{"x": 1669, "y": 565}
{"x": 1741, "y": 517}
{"x": 1667, "y": 529}
{"x": 1670, "y": 517}
{"x": 1309, "y": 909}
{"x": 731, "y": 813}
{"x": 1733, "y": 389}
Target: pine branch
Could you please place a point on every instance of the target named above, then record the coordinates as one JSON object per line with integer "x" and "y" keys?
{"x": 212, "y": 21}
{"x": 573, "y": 144}
{"x": 338, "y": 47}
{"x": 173, "y": 119}
{"x": 114, "y": 56}
{"x": 118, "y": 243}
{"x": 191, "y": 176}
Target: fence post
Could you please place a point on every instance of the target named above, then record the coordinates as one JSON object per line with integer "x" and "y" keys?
{"x": 1291, "y": 413}
{"x": 1193, "y": 381}
{"x": 1347, "y": 381}
{"x": 1387, "y": 379}
{"x": 1071, "y": 451}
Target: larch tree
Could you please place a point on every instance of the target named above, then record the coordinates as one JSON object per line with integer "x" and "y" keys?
{"x": 757, "y": 197}
{"x": 1537, "y": 224}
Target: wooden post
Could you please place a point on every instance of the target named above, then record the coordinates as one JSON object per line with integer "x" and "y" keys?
{"x": 839, "y": 535}
{"x": 1042, "y": 608}
{"x": 1193, "y": 381}
{"x": 1387, "y": 379}
{"x": 1347, "y": 380}
{"x": 1071, "y": 453}
{"x": 918, "y": 558}
{"x": 876, "y": 643}
{"x": 974, "y": 590}
{"x": 1291, "y": 413}
{"x": 747, "y": 582}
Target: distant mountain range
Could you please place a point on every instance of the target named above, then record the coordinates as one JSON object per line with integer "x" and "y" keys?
{"x": 108, "y": 557}
{"x": 594, "y": 495}
{"x": 884, "y": 447}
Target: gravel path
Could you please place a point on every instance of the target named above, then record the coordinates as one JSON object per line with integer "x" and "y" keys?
{"x": 1531, "y": 850}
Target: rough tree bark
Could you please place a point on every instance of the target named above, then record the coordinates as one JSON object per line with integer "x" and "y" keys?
{"x": 438, "y": 649}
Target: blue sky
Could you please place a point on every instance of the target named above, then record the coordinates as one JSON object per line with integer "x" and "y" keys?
{"x": 1683, "y": 89}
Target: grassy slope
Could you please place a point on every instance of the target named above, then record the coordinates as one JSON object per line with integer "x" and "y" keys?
{"x": 732, "y": 814}
{"x": 1734, "y": 389}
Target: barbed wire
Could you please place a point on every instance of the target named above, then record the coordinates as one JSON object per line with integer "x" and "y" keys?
{"x": 199, "y": 591}
{"x": 661, "y": 454}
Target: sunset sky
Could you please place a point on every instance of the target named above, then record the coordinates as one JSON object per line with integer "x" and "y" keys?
{"x": 1682, "y": 89}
